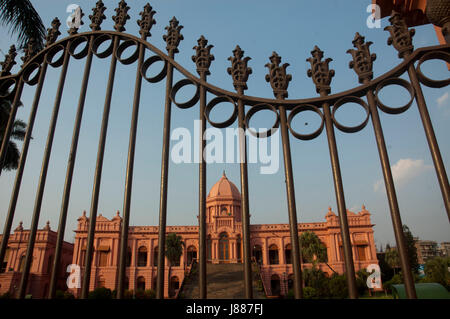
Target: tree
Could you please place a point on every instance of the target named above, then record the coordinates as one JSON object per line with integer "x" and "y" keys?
{"x": 17, "y": 133}
{"x": 411, "y": 249}
{"x": 312, "y": 249}
{"x": 391, "y": 258}
{"x": 436, "y": 270}
{"x": 174, "y": 249}
{"x": 23, "y": 20}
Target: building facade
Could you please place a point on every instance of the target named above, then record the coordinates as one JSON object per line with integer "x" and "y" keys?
{"x": 270, "y": 244}
{"x": 44, "y": 250}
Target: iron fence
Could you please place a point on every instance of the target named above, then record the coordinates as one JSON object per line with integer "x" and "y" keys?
{"x": 33, "y": 73}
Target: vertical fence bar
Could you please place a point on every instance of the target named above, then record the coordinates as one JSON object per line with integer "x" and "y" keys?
{"x": 172, "y": 38}
{"x": 202, "y": 194}
{"x": 365, "y": 75}
{"x": 69, "y": 173}
{"x": 245, "y": 201}
{"x": 279, "y": 81}
{"x": 293, "y": 227}
{"x": 431, "y": 139}
{"x": 43, "y": 176}
{"x": 129, "y": 174}
{"x": 12, "y": 118}
{"x": 340, "y": 199}
{"x": 98, "y": 173}
{"x": 240, "y": 72}
{"x": 164, "y": 182}
{"x": 392, "y": 197}
{"x": 401, "y": 39}
{"x": 203, "y": 60}
{"x": 22, "y": 161}
{"x": 322, "y": 75}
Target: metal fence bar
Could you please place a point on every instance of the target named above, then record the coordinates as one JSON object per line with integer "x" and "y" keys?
{"x": 129, "y": 175}
{"x": 98, "y": 173}
{"x": 172, "y": 39}
{"x": 12, "y": 118}
{"x": 22, "y": 161}
{"x": 43, "y": 176}
{"x": 431, "y": 139}
{"x": 69, "y": 172}
{"x": 279, "y": 81}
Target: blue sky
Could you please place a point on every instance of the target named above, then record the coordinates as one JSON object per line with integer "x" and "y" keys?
{"x": 291, "y": 28}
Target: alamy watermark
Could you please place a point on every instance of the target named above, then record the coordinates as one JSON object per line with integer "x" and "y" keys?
{"x": 226, "y": 148}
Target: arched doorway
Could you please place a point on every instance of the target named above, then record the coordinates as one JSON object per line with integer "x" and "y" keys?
{"x": 140, "y": 284}
{"x": 275, "y": 285}
{"x": 224, "y": 244}
{"x": 191, "y": 254}
{"x": 273, "y": 255}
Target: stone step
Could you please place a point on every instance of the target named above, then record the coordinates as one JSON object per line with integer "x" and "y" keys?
{"x": 224, "y": 281}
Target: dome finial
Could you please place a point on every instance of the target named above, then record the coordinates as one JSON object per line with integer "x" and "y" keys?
{"x": 223, "y": 174}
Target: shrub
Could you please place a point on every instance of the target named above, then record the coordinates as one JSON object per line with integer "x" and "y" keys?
{"x": 338, "y": 286}
{"x": 317, "y": 279}
{"x": 59, "y": 294}
{"x": 310, "y": 293}
{"x": 6, "y": 295}
{"x": 100, "y": 293}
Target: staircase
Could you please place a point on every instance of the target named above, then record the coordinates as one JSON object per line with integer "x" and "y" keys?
{"x": 224, "y": 281}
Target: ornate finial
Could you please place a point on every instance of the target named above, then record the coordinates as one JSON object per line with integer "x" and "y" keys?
{"x": 29, "y": 51}
{"x": 146, "y": 21}
{"x": 203, "y": 56}
{"x": 239, "y": 70}
{"x": 84, "y": 213}
{"x": 97, "y": 16}
{"x": 121, "y": 16}
{"x": 362, "y": 59}
{"x": 320, "y": 72}
{"x": 173, "y": 36}
{"x": 117, "y": 213}
{"x": 329, "y": 208}
{"x": 9, "y": 61}
{"x": 363, "y": 207}
{"x": 47, "y": 225}
{"x": 76, "y": 24}
{"x": 277, "y": 76}
{"x": 401, "y": 37}
{"x": 20, "y": 227}
{"x": 53, "y": 32}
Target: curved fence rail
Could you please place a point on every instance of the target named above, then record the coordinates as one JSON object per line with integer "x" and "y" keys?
{"x": 57, "y": 54}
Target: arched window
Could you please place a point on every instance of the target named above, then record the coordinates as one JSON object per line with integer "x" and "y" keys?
{"x": 140, "y": 284}
{"x": 238, "y": 249}
{"x": 191, "y": 254}
{"x": 275, "y": 285}
{"x": 257, "y": 253}
{"x": 273, "y": 255}
{"x": 208, "y": 248}
{"x": 287, "y": 254}
{"x": 224, "y": 247}
{"x": 174, "y": 286}
{"x": 142, "y": 256}
{"x": 155, "y": 256}
{"x": 101, "y": 282}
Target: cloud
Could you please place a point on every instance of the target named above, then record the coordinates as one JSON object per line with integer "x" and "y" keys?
{"x": 441, "y": 101}
{"x": 404, "y": 171}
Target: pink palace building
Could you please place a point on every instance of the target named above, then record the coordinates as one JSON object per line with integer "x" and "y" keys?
{"x": 270, "y": 244}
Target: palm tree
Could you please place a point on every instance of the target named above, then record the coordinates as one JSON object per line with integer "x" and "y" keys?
{"x": 23, "y": 20}
{"x": 17, "y": 133}
{"x": 312, "y": 248}
{"x": 174, "y": 250}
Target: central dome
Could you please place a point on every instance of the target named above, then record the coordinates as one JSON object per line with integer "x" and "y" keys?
{"x": 224, "y": 188}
